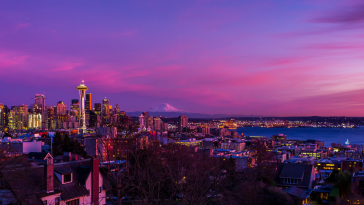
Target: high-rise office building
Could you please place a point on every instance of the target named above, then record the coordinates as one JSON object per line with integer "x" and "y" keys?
{"x": 23, "y": 109}
{"x": 88, "y": 106}
{"x": 60, "y": 109}
{"x": 75, "y": 108}
{"x": 164, "y": 126}
{"x": 45, "y": 120}
{"x": 11, "y": 120}
{"x": 4, "y": 119}
{"x": 1, "y": 116}
{"x": 150, "y": 122}
{"x": 142, "y": 121}
{"x": 110, "y": 110}
{"x": 116, "y": 109}
{"x": 157, "y": 124}
{"x": 97, "y": 108}
{"x": 88, "y": 102}
{"x": 34, "y": 121}
{"x": 82, "y": 90}
{"x": 105, "y": 111}
{"x": 182, "y": 122}
{"x": 17, "y": 118}
{"x": 40, "y": 102}
{"x": 93, "y": 119}
{"x": 51, "y": 121}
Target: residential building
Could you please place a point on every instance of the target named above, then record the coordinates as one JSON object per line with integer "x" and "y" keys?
{"x": 299, "y": 175}
{"x": 182, "y": 122}
{"x": 67, "y": 183}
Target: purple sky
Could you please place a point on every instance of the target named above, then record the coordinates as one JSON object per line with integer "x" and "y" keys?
{"x": 283, "y": 58}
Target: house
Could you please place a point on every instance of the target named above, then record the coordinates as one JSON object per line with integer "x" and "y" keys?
{"x": 67, "y": 183}
{"x": 352, "y": 165}
{"x": 300, "y": 196}
{"x": 326, "y": 166}
{"x": 323, "y": 191}
{"x": 357, "y": 184}
{"x": 299, "y": 175}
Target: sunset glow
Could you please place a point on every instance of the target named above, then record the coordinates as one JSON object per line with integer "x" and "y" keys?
{"x": 276, "y": 58}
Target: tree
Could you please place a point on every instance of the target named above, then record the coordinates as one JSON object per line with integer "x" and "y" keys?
{"x": 344, "y": 184}
{"x": 7, "y": 135}
{"x": 58, "y": 144}
{"x": 265, "y": 164}
{"x": 66, "y": 147}
{"x": 342, "y": 181}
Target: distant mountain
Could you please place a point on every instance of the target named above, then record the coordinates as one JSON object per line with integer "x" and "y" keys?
{"x": 188, "y": 114}
{"x": 165, "y": 107}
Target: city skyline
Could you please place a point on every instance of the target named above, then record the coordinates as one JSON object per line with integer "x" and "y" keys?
{"x": 240, "y": 57}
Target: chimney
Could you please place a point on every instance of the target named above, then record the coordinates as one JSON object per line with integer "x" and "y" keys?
{"x": 94, "y": 181}
{"x": 67, "y": 156}
{"x": 49, "y": 175}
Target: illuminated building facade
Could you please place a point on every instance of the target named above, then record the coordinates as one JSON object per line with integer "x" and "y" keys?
{"x": 88, "y": 105}
{"x": 182, "y": 122}
{"x": 105, "y": 111}
{"x": 34, "y": 121}
{"x": 75, "y": 108}
{"x": 352, "y": 166}
{"x": 40, "y": 101}
{"x": 4, "y": 118}
{"x": 61, "y": 108}
{"x": 11, "y": 120}
{"x": 190, "y": 142}
{"x": 1, "y": 116}
{"x": 23, "y": 110}
{"x": 141, "y": 121}
{"x": 93, "y": 119}
{"x": 157, "y": 124}
{"x": 116, "y": 109}
{"x": 97, "y": 109}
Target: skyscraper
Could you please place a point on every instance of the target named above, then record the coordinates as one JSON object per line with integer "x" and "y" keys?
{"x": 75, "y": 108}
{"x": 157, "y": 124}
{"x": 88, "y": 105}
{"x": 61, "y": 108}
{"x": 5, "y": 117}
{"x": 116, "y": 109}
{"x": 182, "y": 122}
{"x": 88, "y": 102}
{"x": 23, "y": 109}
{"x": 40, "y": 101}
{"x": 93, "y": 119}
{"x": 105, "y": 111}
{"x": 82, "y": 89}
{"x": 1, "y": 116}
{"x": 97, "y": 108}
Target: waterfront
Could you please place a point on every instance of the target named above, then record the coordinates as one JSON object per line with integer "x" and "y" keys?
{"x": 328, "y": 135}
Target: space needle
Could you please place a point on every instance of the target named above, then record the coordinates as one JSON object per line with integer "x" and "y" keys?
{"x": 82, "y": 90}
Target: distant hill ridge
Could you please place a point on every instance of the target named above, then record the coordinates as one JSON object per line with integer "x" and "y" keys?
{"x": 188, "y": 114}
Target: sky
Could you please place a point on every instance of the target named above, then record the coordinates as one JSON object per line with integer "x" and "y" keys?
{"x": 253, "y": 57}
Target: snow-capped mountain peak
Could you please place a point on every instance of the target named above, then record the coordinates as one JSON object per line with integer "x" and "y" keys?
{"x": 165, "y": 107}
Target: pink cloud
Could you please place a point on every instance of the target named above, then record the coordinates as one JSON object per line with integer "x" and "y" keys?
{"x": 67, "y": 66}
{"x": 8, "y": 59}
{"x": 22, "y": 26}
